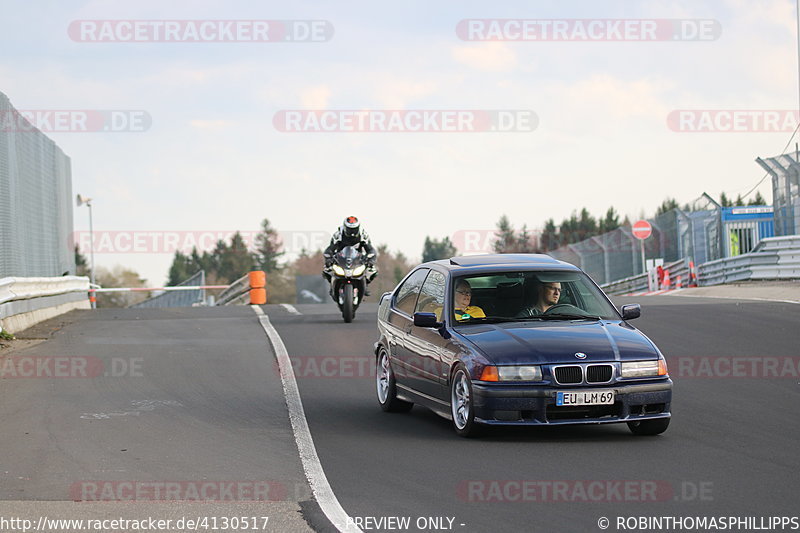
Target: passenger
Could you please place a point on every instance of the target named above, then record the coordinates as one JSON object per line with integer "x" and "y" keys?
{"x": 548, "y": 296}
{"x": 463, "y": 296}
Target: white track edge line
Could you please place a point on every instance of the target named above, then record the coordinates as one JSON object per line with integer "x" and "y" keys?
{"x": 292, "y": 309}
{"x": 302, "y": 434}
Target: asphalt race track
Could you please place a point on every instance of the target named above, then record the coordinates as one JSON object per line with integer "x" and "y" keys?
{"x": 207, "y": 404}
{"x": 731, "y": 449}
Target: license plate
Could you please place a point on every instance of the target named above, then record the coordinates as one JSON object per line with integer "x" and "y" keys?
{"x": 594, "y": 397}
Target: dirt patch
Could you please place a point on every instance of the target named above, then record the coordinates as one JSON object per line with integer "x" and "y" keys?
{"x": 13, "y": 346}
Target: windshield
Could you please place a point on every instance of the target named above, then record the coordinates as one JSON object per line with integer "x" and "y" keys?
{"x": 349, "y": 252}
{"x": 539, "y": 295}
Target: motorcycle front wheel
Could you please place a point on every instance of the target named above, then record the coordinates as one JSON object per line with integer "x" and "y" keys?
{"x": 348, "y": 310}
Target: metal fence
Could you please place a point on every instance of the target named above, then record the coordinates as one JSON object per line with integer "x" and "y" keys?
{"x": 617, "y": 255}
{"x": 785, "y": 173}
{"x": 35, "y": 200}
{"x": 180, "y": 298}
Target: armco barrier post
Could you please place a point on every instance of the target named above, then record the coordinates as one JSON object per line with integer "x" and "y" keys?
{"x": 258, "y": 292}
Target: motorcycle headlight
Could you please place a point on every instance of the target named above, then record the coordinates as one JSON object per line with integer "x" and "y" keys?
{"x": 338, "y": 270}
{"x": 357, "y": 271}
{"x": 520, "y": 373}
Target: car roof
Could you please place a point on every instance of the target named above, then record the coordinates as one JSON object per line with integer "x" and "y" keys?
{"x": 492, "y": 262}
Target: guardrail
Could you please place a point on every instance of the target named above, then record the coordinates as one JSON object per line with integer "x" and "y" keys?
{"x": 237, "y": 292}
{"x": 774, "y": 258}
{"x": 26, "y": 301}
{"x": 639, "y": 283}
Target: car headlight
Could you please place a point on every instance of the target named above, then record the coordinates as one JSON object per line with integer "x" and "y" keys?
{"x": 519, "y": 373}
{"x": 357, "y": 271}
{"x": 338, "y": 270}
{"x": 644, "y": 369}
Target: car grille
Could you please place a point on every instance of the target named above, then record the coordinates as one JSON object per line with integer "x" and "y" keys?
{"x": 569, "y": 374}
{"x": 598, "y": 373}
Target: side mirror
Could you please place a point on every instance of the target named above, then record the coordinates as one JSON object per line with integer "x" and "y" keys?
{"x": 426, "y": 320}
{"x": 631, "y": 311}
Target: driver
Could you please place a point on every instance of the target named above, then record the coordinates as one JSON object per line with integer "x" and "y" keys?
{"x": 548, "y": 296}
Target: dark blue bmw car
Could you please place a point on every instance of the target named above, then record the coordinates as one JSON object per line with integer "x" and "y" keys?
{"x": 516, "y": 339}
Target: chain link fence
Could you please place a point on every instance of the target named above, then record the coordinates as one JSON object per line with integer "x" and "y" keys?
{"x": 617, "y": 254}
{"x": 785, "y": 173}
{"x": 35, "y": 200}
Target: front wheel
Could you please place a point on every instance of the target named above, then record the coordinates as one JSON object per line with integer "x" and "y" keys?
{"x": 348, "y": 312}
{"x": 387, "y": 390}
{"x": 649, "y": 427}
{"x": 461, "y": 404}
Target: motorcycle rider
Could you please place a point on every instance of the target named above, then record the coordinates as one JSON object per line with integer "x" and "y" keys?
{"x": 350, "y": 233}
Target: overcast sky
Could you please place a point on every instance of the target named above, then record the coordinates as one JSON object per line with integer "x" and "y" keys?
{"x": 210, "y": 157}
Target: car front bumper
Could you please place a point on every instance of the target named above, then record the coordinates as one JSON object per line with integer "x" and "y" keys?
{"x": 506, "y": 404}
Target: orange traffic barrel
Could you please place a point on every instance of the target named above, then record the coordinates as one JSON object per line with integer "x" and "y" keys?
{"x": 258, "y": 279}
{"x": 258, "y": 296}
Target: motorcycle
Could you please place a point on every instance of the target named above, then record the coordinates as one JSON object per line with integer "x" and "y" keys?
{"x": 348, "y": 277}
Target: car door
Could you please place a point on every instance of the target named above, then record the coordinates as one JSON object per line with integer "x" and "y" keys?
{"x": 426, "y": 345}
{"x": 399, "y": 323}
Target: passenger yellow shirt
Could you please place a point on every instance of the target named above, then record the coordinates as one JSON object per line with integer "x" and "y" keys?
{"x": 473, "y": 311}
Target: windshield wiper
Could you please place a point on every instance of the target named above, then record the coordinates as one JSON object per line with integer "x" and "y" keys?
{"x": 567, "y": 316}
{"x": 491, "y": 319}
{"x": 548, "y": 316}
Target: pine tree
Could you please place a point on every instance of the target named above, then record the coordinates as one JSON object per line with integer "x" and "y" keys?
{"x": 81, "y": 265}
{"x": 666, "y": 206}
{"x": 550, "y": 237}
{"x": 610, "y": 222}
{"x": 506, "y": 238}
{"x": 758, "y": 200}
{"x": 434, "y": 249}
{"x": 268, "y": 245}
{"x": 525, "y": 242}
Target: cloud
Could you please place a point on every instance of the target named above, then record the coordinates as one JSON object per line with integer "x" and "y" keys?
{"x": 202, "y": 124}
{"x": 315, "y": 97}
{"x": 396, "y": 93}
{"x": 618, "y": 98}
{"x": 491, "y": 56}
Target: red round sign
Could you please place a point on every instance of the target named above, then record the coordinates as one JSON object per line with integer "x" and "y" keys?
{"x": 642, "y": 229}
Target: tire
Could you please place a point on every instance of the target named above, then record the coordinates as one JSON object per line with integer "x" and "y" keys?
{"x": 461, "y": 404}
{"x": 649, "y": 427}
{"x": 385, "y": 385}
{"x": 347, "y": 307}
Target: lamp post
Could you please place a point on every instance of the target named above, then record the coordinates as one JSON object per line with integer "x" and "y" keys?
{"x": 81, "y": 200}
